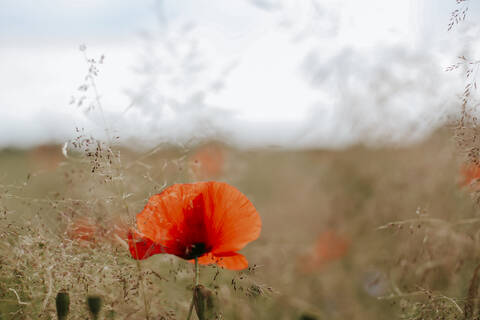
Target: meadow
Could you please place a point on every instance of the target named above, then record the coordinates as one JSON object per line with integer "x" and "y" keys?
{"x": 359, "y": 233}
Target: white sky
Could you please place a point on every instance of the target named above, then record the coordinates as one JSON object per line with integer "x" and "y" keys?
{"x": 292, "y": 73}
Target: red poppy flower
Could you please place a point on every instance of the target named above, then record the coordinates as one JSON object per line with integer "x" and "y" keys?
{"x": 471, "y": 175}
{"x": 207, "y": 220}
{"x": 82, "y": 229}
{"x": 208, "y": 162}
{"x": 87, "y": 232}
{"x": 45, "y": 158}
{"x": 329, "y": 247}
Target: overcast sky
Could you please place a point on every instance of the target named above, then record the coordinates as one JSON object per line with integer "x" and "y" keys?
{"x": 253, "y": 72}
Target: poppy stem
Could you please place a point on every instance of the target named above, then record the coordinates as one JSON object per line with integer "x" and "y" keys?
{"x": 197, "y": 273}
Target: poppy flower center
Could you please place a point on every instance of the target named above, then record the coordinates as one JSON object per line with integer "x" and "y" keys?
{"x": 195, "y": 250}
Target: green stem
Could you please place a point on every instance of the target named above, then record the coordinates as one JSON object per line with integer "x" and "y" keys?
{"x": 197, "y": 272}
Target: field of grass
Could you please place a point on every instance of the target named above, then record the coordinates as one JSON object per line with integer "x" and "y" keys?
{"x": 360, "y": 233}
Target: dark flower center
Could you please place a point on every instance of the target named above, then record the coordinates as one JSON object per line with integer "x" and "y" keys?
{"x": 195, "y": 250}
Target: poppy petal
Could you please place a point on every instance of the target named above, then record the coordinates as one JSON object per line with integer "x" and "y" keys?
{"x": 233, "y": 219}
{"x": 163, "y": 218}
{"x": 235, "y": 261}
{"x": 142, "y": 247}
{"x": 231, "y": 260}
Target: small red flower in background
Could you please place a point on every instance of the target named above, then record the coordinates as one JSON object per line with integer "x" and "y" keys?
{"x": 207, "y": 220}
{"x": 86, "y": 231}
{"x": 208, "y": 162}
{"x": 471, "y": 175}
{"x": 46, "y": 157}
{"x": 329, "y": 247}
{"x": 83, "y": 229}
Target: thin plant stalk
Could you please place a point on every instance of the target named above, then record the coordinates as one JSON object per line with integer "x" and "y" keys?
{"x": 121, "y": 186}
{"x": 142, "y": 289}
{"x": 197, "y": 272}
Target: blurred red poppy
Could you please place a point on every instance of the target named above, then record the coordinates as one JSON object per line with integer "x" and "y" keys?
{"x": 210, "y": 221}
{"x": 471, "y": 174}
{"x": 46, "y": 157}
{"x": 330, "y": 246}
{"x": 83, "y": 229}
{"x": 208, "y": 162}
{"x": 87, "y": 231}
